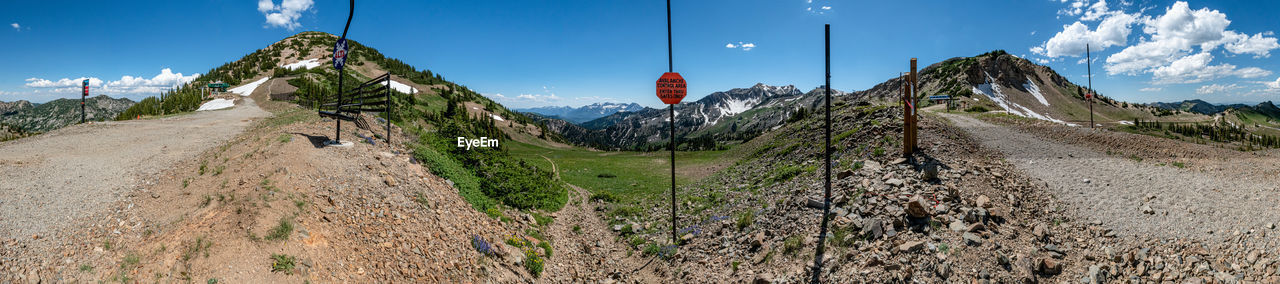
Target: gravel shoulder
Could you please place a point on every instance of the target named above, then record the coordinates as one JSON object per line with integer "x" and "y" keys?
{"x": 58, "y": 180}
{"x": 1131, "y": 197}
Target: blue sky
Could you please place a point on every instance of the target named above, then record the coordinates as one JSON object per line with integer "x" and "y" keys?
{"x": 536, "y": 53}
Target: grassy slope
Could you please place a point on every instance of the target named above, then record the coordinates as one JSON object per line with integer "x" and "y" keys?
{"x": 639, "y": 175}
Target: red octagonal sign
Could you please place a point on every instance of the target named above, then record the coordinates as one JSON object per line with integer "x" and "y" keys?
{"x": 671, "y": 88}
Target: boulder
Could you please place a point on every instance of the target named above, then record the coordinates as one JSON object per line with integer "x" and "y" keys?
{"x": 918, "y": 207}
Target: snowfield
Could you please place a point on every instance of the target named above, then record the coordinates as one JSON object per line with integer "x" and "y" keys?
{"x": 1035, "y": 91}
{"x": 216, "y": 104}
{"x": 305, "y": 64}
{"x": 402, "y": 88}
{"x": 498, "y": 118}
{"x": 733, "y": 107}
{"x": 993, "y": 91}
{"x": 246, "y": 89}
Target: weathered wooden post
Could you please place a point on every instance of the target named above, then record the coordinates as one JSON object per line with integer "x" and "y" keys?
{"x": 909, "y": 86}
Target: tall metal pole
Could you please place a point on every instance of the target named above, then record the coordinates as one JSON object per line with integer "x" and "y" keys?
{"x": 826, "y": 150}
{"x": 1089, "y": 64}
{"x": 337, "y": 135}
{"x": 671, "y": 109}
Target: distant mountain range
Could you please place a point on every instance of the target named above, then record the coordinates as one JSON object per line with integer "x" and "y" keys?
{"x": 1206, "y": 108}
{"x": 60, "y": 112}
{"x": 995, "y": 81}
{"x": 584, "y": 113}
{"x": 735, "y": 115}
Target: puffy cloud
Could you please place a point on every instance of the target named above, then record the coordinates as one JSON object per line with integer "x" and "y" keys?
{"x": 1215, "y": 89}
{"x": 1096, "y": 11}
{"x": 745, "y": 46}
{"x": 286, "y": 14}
{"x": 16, "y": 27}
{"x": 537, "y": 98}
{"x": 126, "y": 85}
{"x": 1074, "y": 9}
{"x": 1196, "y": 68}
{"x": 1151, "y": 89}
{"x": 1273, "y": 85}
{"x": 61, "y": 83}
{"x": 1258, "y": 44}
{"x": 826, "y": 7}
{"x": 1114, "y": 30}
{"x": 1177, "y": 33}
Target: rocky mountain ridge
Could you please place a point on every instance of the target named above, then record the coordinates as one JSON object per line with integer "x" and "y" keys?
{"x": 583, "y": 113}
{"x": 735, "y": 115}
{"x": 60, "y": 112}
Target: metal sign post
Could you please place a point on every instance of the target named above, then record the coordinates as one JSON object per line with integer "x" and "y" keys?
{"x": 83, "y": 96}
{"x": 671, "y": 89}
{"x": 1089, "y": 64}
{"x": 339, "y": 60}
{"x": 826, "y": 150}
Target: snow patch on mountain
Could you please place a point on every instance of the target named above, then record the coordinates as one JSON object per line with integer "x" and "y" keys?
{"x": 734, "y": 106}
{"x": 305, "y": 64}
{"x": 247, "y": 89}
{"x": 1035, "y": 91}
{"x": 995, "y": 93}
{"x": 216, "y": 104}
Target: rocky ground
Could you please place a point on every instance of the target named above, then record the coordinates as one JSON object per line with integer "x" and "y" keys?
{"x": 972, "y": 205}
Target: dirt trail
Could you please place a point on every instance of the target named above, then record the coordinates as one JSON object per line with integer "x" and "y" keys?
{"x": 65, "y": 178}
{"x": 1113, "y": 190}
{"x": 592, "y": 252}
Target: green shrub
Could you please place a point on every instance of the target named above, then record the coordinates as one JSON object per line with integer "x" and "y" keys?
{"x": 746, "y": 219}
{"x": 282, "y": 263}
{"x": 467, "y": 184}
{"x": 792, "y": 244}
{"x": 542, "y": 220}
{"x": 546, "y": 247}
{"x": 493, "y": 212}
{"x": 784, "y": 173}
{"x": 977, "y": 109}
{"x": 533, "y": 262}
{"x": 604, "y": 196}
{"x": 281, "y": 231}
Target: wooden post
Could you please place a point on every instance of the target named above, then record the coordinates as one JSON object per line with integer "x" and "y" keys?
{"x": 909, "y": 116}
{"x": 915, "y": 103}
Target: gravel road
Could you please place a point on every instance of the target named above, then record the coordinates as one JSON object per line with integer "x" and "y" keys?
{"x": 1113, "y": 190}
{"x": 66, "y": 178}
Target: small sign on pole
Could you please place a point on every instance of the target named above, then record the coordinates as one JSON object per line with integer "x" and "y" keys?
{"x": 82, "y": 99}
{"x": 671, "y": 88}
{"x": 340, "y": 53}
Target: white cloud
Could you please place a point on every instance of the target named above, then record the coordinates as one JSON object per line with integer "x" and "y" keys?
{"x": 1177, "y": 33}
{"x": 1096, "y": 11}
{"x": 1258, "y": 45}
{"x": 1215, "y": 89}
{"x": 126, "y": 85}
{"x": 1196, "y": 68}
{"x": 1074, "y": 9}
{"x": 745, "y": 46}
{"x": 1114, "y": 30}
{"x": 1151, "y": 89}
{"x": 596, "y": 99}
{"x": 826, "y": 7}
{"x": 16, "y": 27}
{"x": 286, "y": 14}
{"x": 536, "y": 98}
{"x": 1273, "y": 85}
